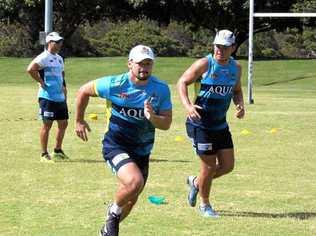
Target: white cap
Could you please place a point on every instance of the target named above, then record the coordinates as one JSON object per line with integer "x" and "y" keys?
{"x": 224, "y": 37}
{"x": 141, "y": 52}
{"x": 53, "y": 36}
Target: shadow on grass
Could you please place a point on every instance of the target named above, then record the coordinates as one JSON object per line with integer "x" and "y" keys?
{"x": 168, "y": 160}
{"x": 82, "y": 161}
{"x": 287, "y": 81}
{"x": 296, "y": 215}
{"x": 102, "y": 161}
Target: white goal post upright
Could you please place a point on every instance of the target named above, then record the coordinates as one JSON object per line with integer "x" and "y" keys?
{"x": 48, "y": 16}
{"x": 252, "y": 15}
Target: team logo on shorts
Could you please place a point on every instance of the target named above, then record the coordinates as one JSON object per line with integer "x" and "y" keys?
{"x": 48, "y": 114}
{"x": 118, "y": 158}
{"x": 205, "y": 146}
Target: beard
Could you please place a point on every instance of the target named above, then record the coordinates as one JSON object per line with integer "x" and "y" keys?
{"x": 143, "y": 78}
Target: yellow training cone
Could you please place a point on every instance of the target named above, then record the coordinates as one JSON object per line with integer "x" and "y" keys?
{"x": 93, "y": 116}
{"x": 179, "y": 139}
{"x": 273, "y": 130}
{"x": 245, "y": 132}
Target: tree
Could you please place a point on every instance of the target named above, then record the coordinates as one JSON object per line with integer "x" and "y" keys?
{"x": 218, "y": 14}
{"x": 68, "y": 15}
{"x": 211, "y": 14}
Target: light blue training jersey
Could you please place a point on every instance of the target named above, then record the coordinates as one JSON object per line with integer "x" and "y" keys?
{"x": 214, "y": 93}
{"x": 51, "y": 71}
{"x": 128, "y": 129}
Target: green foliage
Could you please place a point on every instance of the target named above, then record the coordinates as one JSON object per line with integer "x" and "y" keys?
{"x": 108, "y": 38}
{"x": 265, "y": 45}
{"x": 295, "y": 44}
{"x": 305, "y": 6}
{"x": 69, "y": 15}
{"x": 15, "y": 41}
{"x": 309, "y": 41}
{"x": 119, "y": 40}
{"x": 176, "y": 39}
{"x": 291, "y": 43}
{"x": 196, "y": 43}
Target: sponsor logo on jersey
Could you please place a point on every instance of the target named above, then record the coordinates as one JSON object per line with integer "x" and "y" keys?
{"x": 137, "y": 113}
{"x": 221, "y": 90}
{"x": 224, "y": 72}
{"x": 123, "y": 95}
{"x": 214, "y": 76}
{"x": 152, "y": 98}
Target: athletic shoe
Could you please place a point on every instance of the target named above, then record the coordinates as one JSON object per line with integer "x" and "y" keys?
{"x": 45, "y": 157}
{"x": 111, "y": 226}
{"x": 207, "y": 211}
{"x": 193, "y": 191}
{"x": 59, "y": 155}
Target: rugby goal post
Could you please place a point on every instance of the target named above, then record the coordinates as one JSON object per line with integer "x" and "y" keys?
{"x": 252, "y": 15}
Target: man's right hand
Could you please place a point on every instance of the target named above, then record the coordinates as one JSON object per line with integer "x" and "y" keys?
{"x": 193, "y": 114}
{"x": 81, "y": 130}
{"x": 42, "y": 84}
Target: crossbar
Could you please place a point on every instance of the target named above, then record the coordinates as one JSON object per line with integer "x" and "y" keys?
{"x": 259, "y": 14}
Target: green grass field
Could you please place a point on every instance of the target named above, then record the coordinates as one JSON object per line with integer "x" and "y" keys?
{"x": 272, "y": 190}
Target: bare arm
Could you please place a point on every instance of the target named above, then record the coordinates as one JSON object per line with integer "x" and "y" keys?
{"x": 194, "y": 72}
{"x": 82, "y": 100}
{"x": 33, "y": 69}
{"x": 238, "y": 96}
{"x": 64, "y": 85}
{"x": 161, "y": 121}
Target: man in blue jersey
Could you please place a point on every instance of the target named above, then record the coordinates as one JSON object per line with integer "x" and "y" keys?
{"x": 137, "y": 103}
{"x": 217, "y": 81}
{"x": 48, "y": 70}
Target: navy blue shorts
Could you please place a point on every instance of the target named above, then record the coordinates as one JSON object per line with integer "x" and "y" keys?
{"x": 49, "y": 110}
{"x": 208, "y": 142}
{"x": 118, "y": 157}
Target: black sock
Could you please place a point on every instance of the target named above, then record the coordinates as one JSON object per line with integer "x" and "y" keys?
{"x": 58, "y": 150}
{"x": 44, "y": 153}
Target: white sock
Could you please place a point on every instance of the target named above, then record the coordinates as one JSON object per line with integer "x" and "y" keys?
{"x": 203, "y": 205}
{"x": 116, "y": 209}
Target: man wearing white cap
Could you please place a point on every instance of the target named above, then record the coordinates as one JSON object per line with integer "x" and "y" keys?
{"x": 217, "y": 80}
{"x": 137, "y": 104}
{"x": 48, "y": 70}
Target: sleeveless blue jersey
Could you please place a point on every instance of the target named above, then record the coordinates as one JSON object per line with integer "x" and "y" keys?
{"x": 214, "y": 93}
{"x": 127, "y": 127}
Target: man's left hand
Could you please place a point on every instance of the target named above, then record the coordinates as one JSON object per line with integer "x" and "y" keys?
{"x": 240, "y": 111}
{"x": 148, "y": 110}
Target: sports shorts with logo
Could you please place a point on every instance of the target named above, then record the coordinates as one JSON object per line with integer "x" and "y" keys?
{"x": 49, "y": 110}
{"x": 116, "y": 158}
{"x": 208, "y": 142}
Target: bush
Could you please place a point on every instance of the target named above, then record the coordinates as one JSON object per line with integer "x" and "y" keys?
{"x": 121, "y": 38}
{"x": 177, "y": 39}
{"x": 195, "y": 42}
{"x": 16, "y": 42}
{"x": 78, "y": 45}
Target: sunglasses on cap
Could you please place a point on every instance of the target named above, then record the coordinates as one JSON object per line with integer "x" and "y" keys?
{"x": 58, "y": 41}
